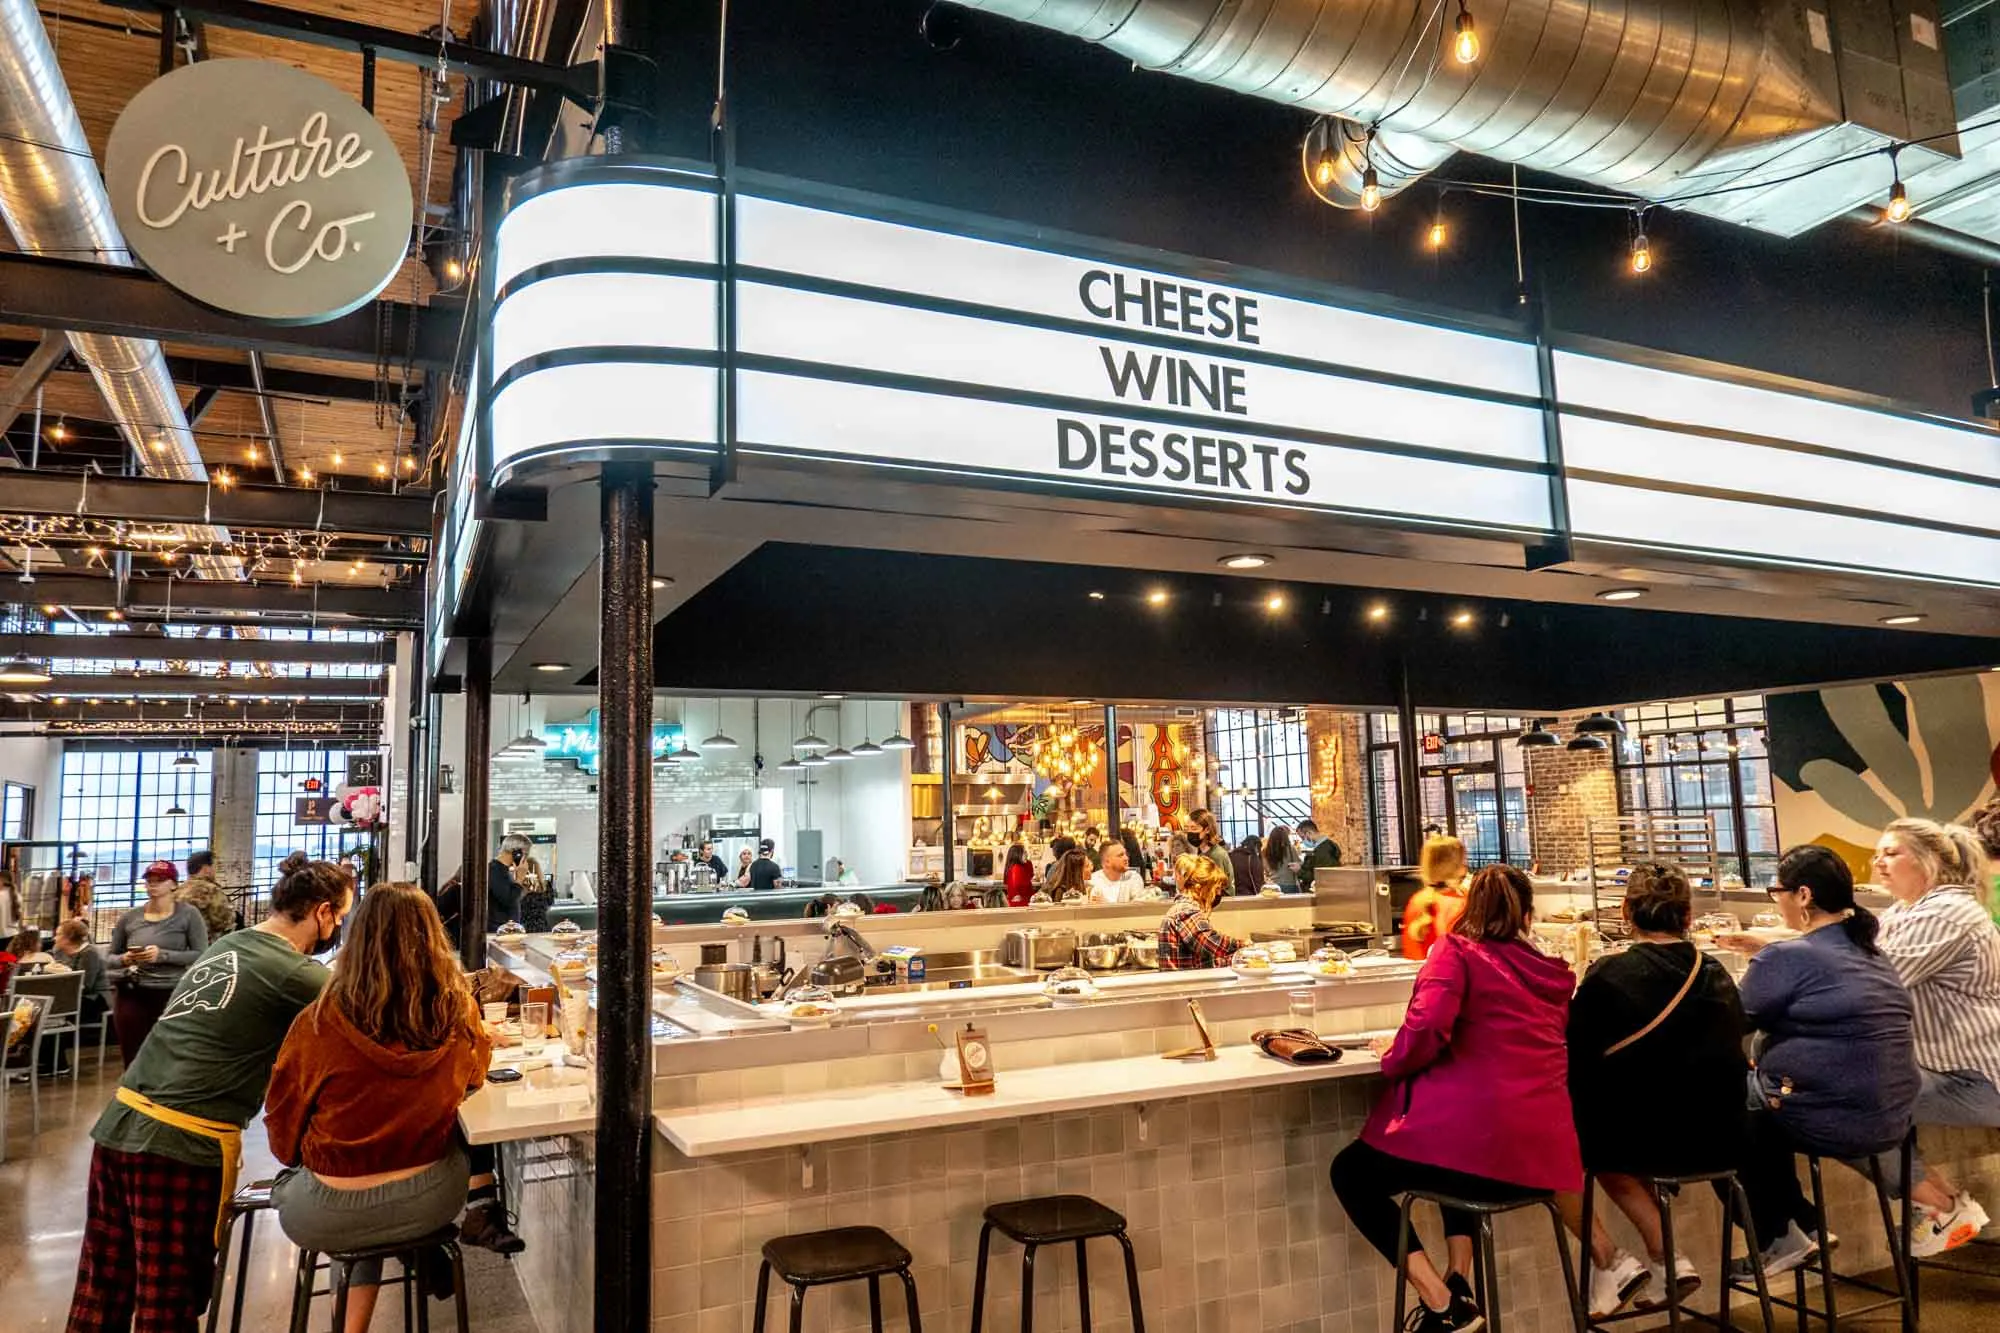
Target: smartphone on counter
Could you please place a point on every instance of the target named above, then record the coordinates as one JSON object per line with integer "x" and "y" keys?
{"x": 503, "y": 1076}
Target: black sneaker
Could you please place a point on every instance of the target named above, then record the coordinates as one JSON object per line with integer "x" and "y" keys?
{"x": 436, "y": 1273}
{"x": 1461, "y": 1316}
{"x": 485, "y": 1226}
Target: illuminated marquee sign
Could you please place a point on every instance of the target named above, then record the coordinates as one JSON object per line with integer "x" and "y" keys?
{"x": 578, "y": 741}
{"x": 855, "y": 336}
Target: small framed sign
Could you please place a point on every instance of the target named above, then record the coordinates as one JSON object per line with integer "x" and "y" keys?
{"x": 1433, "y": 742}
{"x": 364, "y": 770}
{"x": 975, "y": 1061}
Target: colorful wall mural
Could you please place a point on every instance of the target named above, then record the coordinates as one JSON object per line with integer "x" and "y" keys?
{"x": 1847, "y": 760}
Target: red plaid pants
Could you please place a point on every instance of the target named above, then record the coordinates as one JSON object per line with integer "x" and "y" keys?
{"x": 148, "y": 1244}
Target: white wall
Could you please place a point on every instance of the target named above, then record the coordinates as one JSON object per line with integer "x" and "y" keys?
{"x": 37, "y": 762}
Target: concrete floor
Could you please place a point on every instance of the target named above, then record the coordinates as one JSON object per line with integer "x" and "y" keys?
{"x": 42, "y": 1191}
{"x": 41, "y": 1231}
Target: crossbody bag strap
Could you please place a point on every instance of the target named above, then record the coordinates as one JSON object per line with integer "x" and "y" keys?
{"x": 1665, "y": 1013}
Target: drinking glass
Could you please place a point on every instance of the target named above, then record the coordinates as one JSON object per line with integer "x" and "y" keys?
{"x": 534, "y": 1020}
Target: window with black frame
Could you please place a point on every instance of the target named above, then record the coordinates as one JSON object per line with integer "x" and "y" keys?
{"x": 1260, "y": 772}
{"x": 1705, "y": 756}
{"x": 1471, "y": 785}
{"x": 126, "y": 808}
{"x": 17, "y": 811}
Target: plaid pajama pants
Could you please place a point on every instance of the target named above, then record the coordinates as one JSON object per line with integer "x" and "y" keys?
{"x": 148, "y": 1245}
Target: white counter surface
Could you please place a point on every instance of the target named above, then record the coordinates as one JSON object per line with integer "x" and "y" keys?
{"x": 894, "y": 1108}
{"x": 487, "y": 1116}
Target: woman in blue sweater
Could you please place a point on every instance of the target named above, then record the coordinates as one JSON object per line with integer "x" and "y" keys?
{"x": 1835, "y": 1069}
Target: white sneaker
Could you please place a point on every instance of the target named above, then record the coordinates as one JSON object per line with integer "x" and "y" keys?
{"x": 1936, "y": 1232}
{"x": 1784, "y": 1254}
{"x": 1686, "y": 1278}
{"x": 1612, "y": 1286}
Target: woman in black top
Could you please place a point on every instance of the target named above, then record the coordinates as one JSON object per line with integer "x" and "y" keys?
{"x": 1668, "y": 1102}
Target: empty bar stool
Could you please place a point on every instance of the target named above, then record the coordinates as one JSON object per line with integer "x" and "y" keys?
{"x": 1735, "y": 1209}
{"x": 1486, "y": 1264}
{"x": 408, "y": 1253}
{"x": 1054, "y": 1220}
{"x": 1903, "y": 1294}
{"x": 845, "y": 1254}
{"x": 243, "y": 1207}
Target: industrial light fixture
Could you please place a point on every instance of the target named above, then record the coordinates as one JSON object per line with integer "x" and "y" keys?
{"x": 1465, "y": 37}
{"x": 176, "y": 808}
{"x": 1538, "y": 736}
{"x": 721, "y": 740}
{"x": 1587, "y": 742}
{"x": 814, "y": 760}
{"x": 1245, "y": 560}
{"x": 810, "y": 742}
{"x": 551, "y": 666}
{"x": 184, "y": 760}
{"x": 682, "y": 753}
{"x": 527, "y": 745}
{"x": 1600, "y": 724}
{"x": 1902, "y": 618}
{"x": 896, "y": 740}
{"x": 1621, "y": 594}
{"x": 24, "y": 671}
{"x": 840, "y": 754}
{"x": 791, "y": 766}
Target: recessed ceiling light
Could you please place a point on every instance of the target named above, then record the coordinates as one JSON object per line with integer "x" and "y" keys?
{"x": 1462, "y": 620}
{"x": 1275, "y": 602}
{"x": 1905, "y": 618}
{"x": 551, "y": 666}
{"x": 833, "y": 696}
{"x": 1157, "y": 597}
{"x": 1096, "y": 596}
{"x": 1379, "y": 611}
{"x": 1621, "y": 594}
{"x": 660, "y": 582}
{"x": 1245, "y": 560}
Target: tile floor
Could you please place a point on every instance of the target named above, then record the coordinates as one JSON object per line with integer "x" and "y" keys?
{"x": 41, "y": 1226}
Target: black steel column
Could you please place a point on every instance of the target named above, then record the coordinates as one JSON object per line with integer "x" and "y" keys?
{"x": 1111, "y": 801}
{"x": 413, "y": 740}
{"x": 624, "y": 1243}
{"x": 950, "y": 766}
{"x": 433, "y": 758}
{"x": 478, "y": 768}
{"x": 1408, "y": 778}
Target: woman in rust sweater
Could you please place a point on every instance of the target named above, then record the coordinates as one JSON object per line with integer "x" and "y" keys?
{"x": 363, "y": 1105}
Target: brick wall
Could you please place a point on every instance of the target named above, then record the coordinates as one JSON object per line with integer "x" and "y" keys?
{"x": 1336, "y": 750}
{"x": 1567, "y": 789}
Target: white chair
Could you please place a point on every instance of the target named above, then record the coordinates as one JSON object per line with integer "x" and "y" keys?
{"x": 18, "y": 1063}
{"x": 65, "y": 1015}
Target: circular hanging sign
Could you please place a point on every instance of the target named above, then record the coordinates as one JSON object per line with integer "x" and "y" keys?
{"x": 258, "y": 189}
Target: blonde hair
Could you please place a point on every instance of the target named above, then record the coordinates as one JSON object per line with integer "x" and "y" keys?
{"x": 1442, "y": 861}
{"x": 1197, "y": 877}
{"x": 1949, "y": 853}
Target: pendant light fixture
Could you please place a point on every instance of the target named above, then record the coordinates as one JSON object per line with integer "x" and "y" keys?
{"x": 683, "y": 753}
{"x": 839, "y": 754}
{"x": 1588, "y": 741}
{"x": 896, "y": 740}
{"x": 176, "y": 808}
{"x": 21, "y": 669}
{"x": 814, "y": 761}
{"x": 721, "y": 740}
{"x": 791, "y": 763}
{"x": 527, "y": 745}
{"x": 868, "y": 745}
{"x": 811, "y": 741}
{"x": 1538, "y": 736}
{"x": 1600, "y": 724}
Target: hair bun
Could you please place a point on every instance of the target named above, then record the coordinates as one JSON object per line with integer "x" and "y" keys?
{"x": 293, "y": 864}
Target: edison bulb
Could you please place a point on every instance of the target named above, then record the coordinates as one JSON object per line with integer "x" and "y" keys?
{"x": 1642, "y": 256}
{"x": 1465, "y": 42}
{"x": 1899, "y": 203}
{"x": 1371, "y": 191}
{"x": 1437, "y": 235}
{"x": 1324, "y": 168}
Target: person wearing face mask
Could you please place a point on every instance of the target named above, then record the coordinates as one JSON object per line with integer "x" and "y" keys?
{"x": 503, "y": 891}
{"x": 1317, "y": 852}
{"x": 169, "y": 1144}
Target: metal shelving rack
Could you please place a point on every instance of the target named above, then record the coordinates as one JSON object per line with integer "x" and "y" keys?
{"x": 1687, "y": 841}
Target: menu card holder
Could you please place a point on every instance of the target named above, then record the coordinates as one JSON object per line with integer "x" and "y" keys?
{"x": 1205, "y": 1051}
{"x": 975, "y": 1062}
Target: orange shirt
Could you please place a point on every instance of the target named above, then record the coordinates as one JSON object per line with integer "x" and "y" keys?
{"x": 1431, "y": 913}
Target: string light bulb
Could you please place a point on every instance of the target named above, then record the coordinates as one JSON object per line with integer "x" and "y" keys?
{"x": 225, "y": 479}
{"x": 1371, "y": 190}
{"x": 1325, "y": 167}
{"x": 1465, "y": 37}
{"x": 1899, "y": 202}
{"x": 306, "y": 475}
{"x": 381, "y": 469}
{"x": 1642, "y": 251}
{"x": 1437, "y": 235}
{"x": 337, "y": 459}
{"x": 60, "y": 431}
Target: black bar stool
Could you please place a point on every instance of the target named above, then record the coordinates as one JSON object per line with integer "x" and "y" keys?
{"x": 845, "y": 1254}
{"x": 408, "y": 1253}
{"x": 1735, "y": 1209}
{"x": 1903, "y": 1294}
{"x": 1054, "y": 1220}
{"x": 1486, "y": 1264}
{"x": 243, "y": 1207}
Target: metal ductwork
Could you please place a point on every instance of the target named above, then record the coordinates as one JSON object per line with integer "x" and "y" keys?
{"x": 1661, "y": 99}
{"x": 54, "y": 202}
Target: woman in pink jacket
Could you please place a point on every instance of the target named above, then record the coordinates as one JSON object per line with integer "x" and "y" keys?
{"x": 1478, "y": 1099}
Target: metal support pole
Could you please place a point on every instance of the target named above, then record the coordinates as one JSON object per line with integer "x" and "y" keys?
{"x": 1111, "y": 799}
{"x": 433, "y": 757}
{"x": 950, "y": 766}
{"x": 478, "y": 768}
{"x": 624, "y": 1239}
{"x": 413, "y": 750}
{"x": 1410, "y": 803}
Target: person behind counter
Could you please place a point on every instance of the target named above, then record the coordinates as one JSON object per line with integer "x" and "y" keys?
{"x": 1018, "y": 877}
{"x": 1280, "y": 860}
{"x": 1941, "y": 940}
{"x": 743, "y": 860}
{"x": 1835, "y": 1065}
{"x": 1187, "y": 938}
{"x": 1317, "y": 853}
{"x": 1059, "y": 846}
{"x": 1072, "y": 878}
{"x": 1656, "y": 1074}
{"x": 1433, "y": 908}
{"x": 1478, "y": 1104}
{"x": 503, "y": 891}
{"x": 363, "y": 1104}
{"x": 1115, "y": 881}
{"x": 1208, "y": 841}
{"x": 151, "y": 948}
{"x": 764, "y": 872}
{"x": 1246, "y": 866}
{"x": 715, "y": 863}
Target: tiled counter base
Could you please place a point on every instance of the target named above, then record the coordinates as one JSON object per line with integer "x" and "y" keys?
{"x": 553, "y": 1192}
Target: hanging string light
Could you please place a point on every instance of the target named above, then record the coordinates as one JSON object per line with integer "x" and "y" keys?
{"x": 1899, "y": 198}
{"x": 1437, "y": 233}
{"x": 1371, "y": 184}
{"x": 1465, "y": 37}
{"x": 1642, "y": 252}
{"x": 1325, "y": 166}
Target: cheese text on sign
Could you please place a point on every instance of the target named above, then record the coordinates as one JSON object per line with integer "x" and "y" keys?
{"x": 1171, "y": 307}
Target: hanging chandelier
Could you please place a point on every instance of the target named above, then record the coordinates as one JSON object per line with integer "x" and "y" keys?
{"x": 1065, "y": 756}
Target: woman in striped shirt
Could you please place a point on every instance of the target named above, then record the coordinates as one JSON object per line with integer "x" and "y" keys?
{"x": 1941, "y": 938}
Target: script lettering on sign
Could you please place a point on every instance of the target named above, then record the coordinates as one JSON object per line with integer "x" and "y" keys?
{"x": 257, "y": 188}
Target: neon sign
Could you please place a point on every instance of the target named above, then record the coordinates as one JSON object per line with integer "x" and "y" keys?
{"x": 578, "y": 741}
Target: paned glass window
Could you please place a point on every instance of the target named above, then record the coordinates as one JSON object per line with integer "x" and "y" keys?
{"x": 127, "y": 808}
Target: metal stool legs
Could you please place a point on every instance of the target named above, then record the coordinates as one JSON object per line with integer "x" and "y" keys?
{"x": 1028, "y": 1250}
{"x": 248, "y": 1221}
{"x": 1485, "y": 1273}
{"x": 1735, "y": 1211}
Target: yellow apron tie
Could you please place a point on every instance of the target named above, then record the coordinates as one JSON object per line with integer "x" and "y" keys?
{"x": 230, "y": 1137}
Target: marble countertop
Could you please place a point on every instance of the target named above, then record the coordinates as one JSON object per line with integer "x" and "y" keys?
{"x": 893, "y": 1108}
